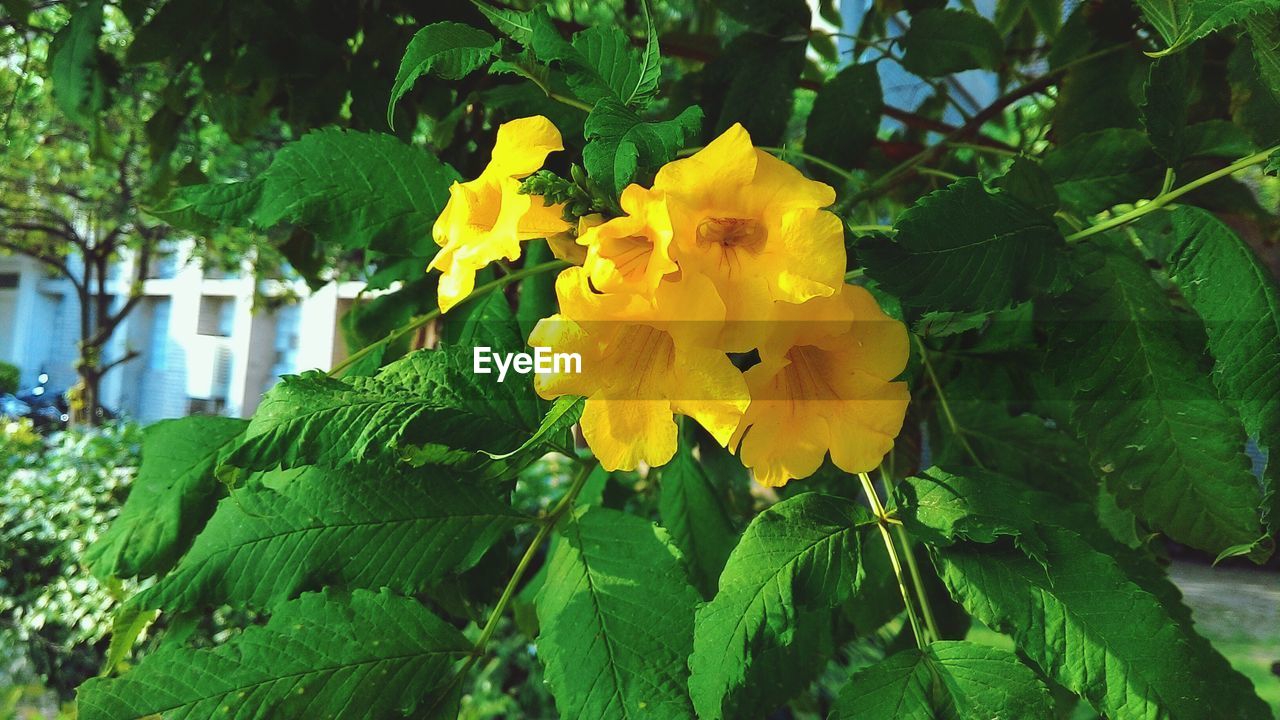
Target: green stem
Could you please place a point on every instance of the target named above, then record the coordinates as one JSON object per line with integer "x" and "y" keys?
{"x": 983, "y": 148}
{"x": 871, "y": 228}
{"x": 548, "y": 525}
{"x": 918, "y": 581}
{"x": 956, "y": 430}
{"x": 1165, "y": 198}
{"x": 421, "y": 320}
{"x": 937, "y": 173}
{"x": 882, "y": 522}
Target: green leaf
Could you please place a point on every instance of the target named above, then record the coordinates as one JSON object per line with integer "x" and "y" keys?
{"x": 694, "y": 512}
{"x": 293, "y": 532}
{"x": 1153, "y": 423}
{"x": 616, "y": 616}
{"x": 1218, "y": 138}
{"x": 1030, "y": 183}
{"x": 963, "y": 248}
{"x": 364, "y": 655}
{"x": 1097, "y": 170}
{"x": 846, "y": 116}
{"x": 1182, "y": 22}
{"x": 515, "y": 24}
{"x": 1095, "y": 631}
{"x": 949, "y": 680}
{"x": 75, "y": 65}
{"x": 357, "y": 190}
{"x": 171, "y": 499}
{"x": 1254, "y": 105}
{"x": 1167, "y": 96}
{"x": 942, "y": 508}
{"x": 1239, "y": 301}
{"x": 753, "y": 82}
{"x": 430, "y": 397}
{"x": 1264, "y": 31}
{"x": 796, "y": 560}
{"x": 126, "y": 625}
{"x": 446, "y": 49}
{"x": 600, "y": 62}
{"x": 562, "y": 415}
{"x": 945, "y": 41}
{"x": 622, "y": 148}
{"x": 203, "y": 208}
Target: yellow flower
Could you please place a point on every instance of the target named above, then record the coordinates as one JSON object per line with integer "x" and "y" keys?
{"x": 487, "y": 218}
{"x": 824, "y": 384}
{"x": 755, "y": 226}
{"x": 631, "y": 253}
{"x": 639, "y": 367}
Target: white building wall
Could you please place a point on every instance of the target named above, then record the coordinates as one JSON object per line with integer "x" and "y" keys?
{"x": 228, "y": 366}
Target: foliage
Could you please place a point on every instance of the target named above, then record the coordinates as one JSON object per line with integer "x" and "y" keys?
{"x": 764, "y": 259}
{"x": 10, "y": 376}
{"x": 58, "y": 494}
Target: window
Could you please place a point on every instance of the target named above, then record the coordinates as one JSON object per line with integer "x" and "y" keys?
{"x": 158, "y": 345}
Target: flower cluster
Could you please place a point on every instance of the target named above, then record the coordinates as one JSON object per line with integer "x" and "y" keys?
{"x": 728, "y": 253}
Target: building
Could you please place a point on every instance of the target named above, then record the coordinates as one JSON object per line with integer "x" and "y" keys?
{"x": 202, "y": 348}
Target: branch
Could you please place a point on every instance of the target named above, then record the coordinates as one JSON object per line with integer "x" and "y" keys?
{"x": 130, "y": 355}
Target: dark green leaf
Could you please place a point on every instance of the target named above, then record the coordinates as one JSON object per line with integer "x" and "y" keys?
{"x": 1091, "y": 628}
{"x": 963, "y": 248}
{"x": 429, "y": 398}
{"x": 1254, "y": 104}
{"x": 515, "y": 24}
{"x": 447, "y": 49}
{"x": 171, "y": 498}
{"x": 203, "y": 208}
{"x": 796, "y": 560}
{"x": 1027, "y": 181}
{"x": 1218, "y": 138}
{"x": 693, "y": 511}
{"x": 621, "y": 147}
{"x": 945, "y": 681}
{"x": 942, "y": 508}
{"x": 753, "y": 82}
{"x": 359, "y": 656}
{"x": 600, "y": 62}
{"x": 616, "y": 614}
{"x": 296, "y": 531}
{"x": 1152, "y": 421}
{"x": 1264, "y": 31}
{"x": 945, "y": 41}
{"x": 846, "y": 116}
{"x": 1167, "y": 95}
{"x": 1097, "y": 170}
{"x": 1239, "y": 301}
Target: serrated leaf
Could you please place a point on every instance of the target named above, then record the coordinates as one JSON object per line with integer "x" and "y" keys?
{"x": 1166, "y": 98}
{"x": 797, "y": 559}
{"x": 359, "y": 656}
{"x": 1097, "y": 170}
{"x": 621, "y": 147}
{"x": 126, "y": 625}
{"x": 430, "y": 397}
{"x": 948, "y": 680}
{"x": 563, "y": 413}
{"x": 616, "y": 616}
{"x": 753, "y": 82}
{"x": 171, "y": 499}
{"x": 1088, "y": 626}
{"x": 74, "y": 65}
{"x": 1264, "y": 31}
{"x": 1182, "y": 22}
{"x": 515, "y": 24}
{"x": 1239, "y": 301}
{"x": 267, "y": 543}
{"x": 963, "y": 248}
{"x": 357, "y": 190}
{"x": 846, "y": 116}
{"x": 599, "y": 63}
{"x": 943, "y": 41}
{"x": 449, "y": 50}
{"x": 1218, "y": 138}
{"x": 942, "y": 508}
{"x": 694, "y": 512}
{"x": 1030, "y": 183}
{"x": 202, "y": 208}
{"x": 1152, "y": 421}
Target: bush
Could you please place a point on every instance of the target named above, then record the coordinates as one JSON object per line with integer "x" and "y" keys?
{"x": 9, "y": 378}
{"x": 57, "y": 494}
